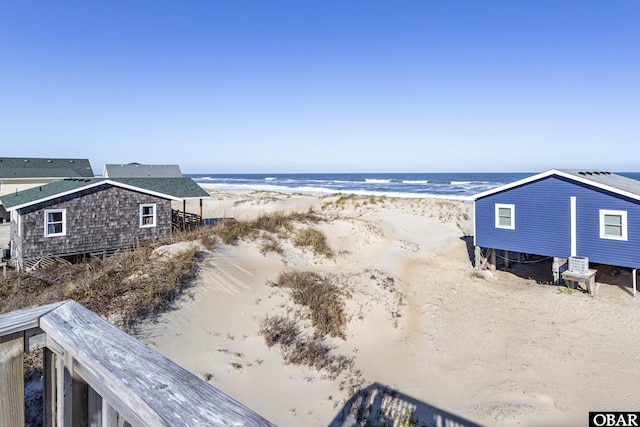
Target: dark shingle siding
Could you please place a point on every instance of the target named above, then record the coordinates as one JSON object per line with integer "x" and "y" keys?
{"x": 98, "y": 218}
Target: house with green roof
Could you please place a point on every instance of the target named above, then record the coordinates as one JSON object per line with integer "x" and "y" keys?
{"x": 22, "y": 173}
{"x": 80, "y": 217}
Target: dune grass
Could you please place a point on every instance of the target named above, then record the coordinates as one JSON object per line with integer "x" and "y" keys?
{"x": 123, "y": 288}
{"x": 320, "y": 296}
{"x": 313, "y": 239}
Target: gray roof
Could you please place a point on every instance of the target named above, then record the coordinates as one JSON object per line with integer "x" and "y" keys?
{"x": 609, "y": 181}
{"x": 169, "y": 188}
{"x": 28, "y": 167}
{"x": 136, "y": 170}
{"x": 607, "y": 178}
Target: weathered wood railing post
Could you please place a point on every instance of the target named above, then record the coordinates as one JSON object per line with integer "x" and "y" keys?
{"x": 12, "y": 379}
{"x": 76, "y": 395}
{"x": 50, "y": 369}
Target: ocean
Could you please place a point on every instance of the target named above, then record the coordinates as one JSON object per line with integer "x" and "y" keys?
{"x": 409, "y": 185}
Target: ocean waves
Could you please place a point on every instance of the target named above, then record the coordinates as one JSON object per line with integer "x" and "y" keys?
{"x": 452, "y": 186}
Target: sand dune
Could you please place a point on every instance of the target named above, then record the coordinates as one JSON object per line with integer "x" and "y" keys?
{"x": 428, "y": 334}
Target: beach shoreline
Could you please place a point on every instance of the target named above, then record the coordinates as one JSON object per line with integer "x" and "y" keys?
{"x": 439, "y": 338}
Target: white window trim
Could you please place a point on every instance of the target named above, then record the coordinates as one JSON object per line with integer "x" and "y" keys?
{"x": 64, "y": 222}
{"x": 512, "y": 209}
{"x": 17, "y": 219}
{"x": 623, "y": 216}
{"x": 147, "y": 205}
{"x": 0, "y": 186}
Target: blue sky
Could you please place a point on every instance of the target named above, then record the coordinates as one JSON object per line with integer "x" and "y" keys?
{"x": 241, "y": 86}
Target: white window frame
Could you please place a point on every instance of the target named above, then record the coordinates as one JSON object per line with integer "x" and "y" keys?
{"x": 623, "y": 225}
{"x": 47, "y": 223}
{"x": 152, "y": 216}
{"x": 512, "y": 209}
{"x": 16, "y": 219}
{"x": 0, "y": 186}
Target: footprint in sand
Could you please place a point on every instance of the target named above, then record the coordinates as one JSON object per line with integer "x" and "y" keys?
{"x": 548, "y": 400}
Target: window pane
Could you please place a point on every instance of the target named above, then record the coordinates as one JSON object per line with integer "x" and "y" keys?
{"x": 613, "y": 230}
{"x": 147, "y": 215}
{"x": 613, "y": 220}
{"x": 54, "y": 217}
{"x": 504, "y": 216}
{"x": 55, "y": 228}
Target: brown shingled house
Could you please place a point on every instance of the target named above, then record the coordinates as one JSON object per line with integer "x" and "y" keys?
{"x": 82, "y": 217}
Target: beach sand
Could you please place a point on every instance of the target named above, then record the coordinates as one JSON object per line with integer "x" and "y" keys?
{"x": 428, "y": 334}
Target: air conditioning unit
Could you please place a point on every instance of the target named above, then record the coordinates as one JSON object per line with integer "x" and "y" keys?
{"x": 578, "y": 264}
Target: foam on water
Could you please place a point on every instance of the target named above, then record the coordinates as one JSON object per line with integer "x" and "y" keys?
{"x": 377, "y": 181}
{"x": 415, "y": 185}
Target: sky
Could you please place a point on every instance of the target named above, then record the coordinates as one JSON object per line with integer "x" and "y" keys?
{"x": 242, "y": 86}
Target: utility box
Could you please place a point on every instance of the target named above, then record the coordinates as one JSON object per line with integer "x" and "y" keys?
{"x": 578, "y": 264}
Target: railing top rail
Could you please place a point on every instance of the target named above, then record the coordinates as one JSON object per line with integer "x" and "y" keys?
{"x": 28, "y": 318}
{"x": 142, "y": 385}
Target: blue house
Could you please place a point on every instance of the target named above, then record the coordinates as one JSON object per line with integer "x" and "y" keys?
{"x": 563, "y": 214}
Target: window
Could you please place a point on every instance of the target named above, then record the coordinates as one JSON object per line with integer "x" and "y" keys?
{"x": 613, "y": 224}
{"x": 505, "y": 216}
{"x": 55, "y": 222}
{"x": 148, "y": 215}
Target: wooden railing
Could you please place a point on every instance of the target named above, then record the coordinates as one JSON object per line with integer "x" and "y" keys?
{"x": 97, "y": 375}
{"x": 185, "y": 221}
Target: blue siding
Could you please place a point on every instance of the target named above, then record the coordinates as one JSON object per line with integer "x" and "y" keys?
{"x": 543, "y": 222}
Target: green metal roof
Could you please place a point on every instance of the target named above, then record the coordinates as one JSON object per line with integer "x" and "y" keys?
{"x": 170, "y": 188}
{"x": 27, "y": 167}
{"x": 181, "y": 188}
